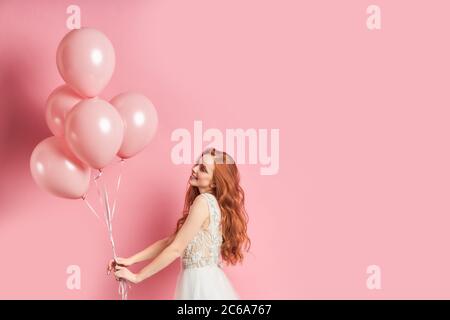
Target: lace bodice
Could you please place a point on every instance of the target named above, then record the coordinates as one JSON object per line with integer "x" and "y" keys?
{"x": 204, "y": 248}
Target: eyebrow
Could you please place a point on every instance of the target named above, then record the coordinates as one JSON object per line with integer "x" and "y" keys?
{"x": 199, "y": 162}
{"x": 206, "y": 167}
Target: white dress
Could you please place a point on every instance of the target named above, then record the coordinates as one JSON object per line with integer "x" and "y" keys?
{"x": 201, "y": 276}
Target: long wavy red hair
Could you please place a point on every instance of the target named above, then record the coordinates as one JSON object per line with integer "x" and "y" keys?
{"x": 231, "y": 198}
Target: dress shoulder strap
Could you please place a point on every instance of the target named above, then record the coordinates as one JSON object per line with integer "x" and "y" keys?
{"x": 214, "y": 211}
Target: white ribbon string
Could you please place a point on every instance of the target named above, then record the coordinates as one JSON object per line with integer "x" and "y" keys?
{"x": 90, "y": 207}
{"x": 103, "y": 195}
{"x": 117, "y": 187}
{"x": 108, "y": 220}
{"x": 98, "y": 188}
{"x": 123, "y": 289}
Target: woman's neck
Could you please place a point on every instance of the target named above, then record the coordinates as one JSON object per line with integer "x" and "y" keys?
{"x": 205, "y": 190}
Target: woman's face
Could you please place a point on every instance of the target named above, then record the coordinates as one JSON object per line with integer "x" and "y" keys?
{"x": 202, "y": 173}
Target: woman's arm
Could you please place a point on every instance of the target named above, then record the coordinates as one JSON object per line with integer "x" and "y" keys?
{"x": 198, "y": 213}
{"x": 196, "y": 217}
{"x": 152, "y": 250}
{"x": 148, "y": 253}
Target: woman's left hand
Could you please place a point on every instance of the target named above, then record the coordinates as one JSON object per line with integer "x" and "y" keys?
{"x": 124, "y": 273}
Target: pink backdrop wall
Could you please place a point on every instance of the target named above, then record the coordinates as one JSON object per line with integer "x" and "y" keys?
{"x": 364, "y": 158}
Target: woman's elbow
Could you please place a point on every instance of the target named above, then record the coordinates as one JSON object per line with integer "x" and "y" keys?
{"x": 168, "y": 240}
{"x": 175, "y": 249}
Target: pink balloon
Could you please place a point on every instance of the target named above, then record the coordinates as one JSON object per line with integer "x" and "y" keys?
{"x": 60, "y": 101}
{"x": 94, "y": 132}
{"x": 86, "y": 60}
{"x": 140, "y": 119}
{"x": 55, "y": 169}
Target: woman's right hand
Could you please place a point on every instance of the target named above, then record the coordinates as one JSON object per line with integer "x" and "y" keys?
{"x": 123, "y": 262}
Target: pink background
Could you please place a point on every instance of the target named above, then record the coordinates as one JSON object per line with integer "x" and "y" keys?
{"x": 364, "y": 158}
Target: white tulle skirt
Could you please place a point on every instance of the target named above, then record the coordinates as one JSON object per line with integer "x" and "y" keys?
{"x": 205, "y": 283}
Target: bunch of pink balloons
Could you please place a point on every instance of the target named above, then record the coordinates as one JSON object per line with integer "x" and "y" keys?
{"x": 88, "y": 132}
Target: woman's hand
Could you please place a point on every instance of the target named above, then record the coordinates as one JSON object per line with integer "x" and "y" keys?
{"x": 124, "y": 273}
{"x": 123, "y": 262}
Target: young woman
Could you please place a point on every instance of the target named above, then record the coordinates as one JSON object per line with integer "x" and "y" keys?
{"x": 212, "y": 230}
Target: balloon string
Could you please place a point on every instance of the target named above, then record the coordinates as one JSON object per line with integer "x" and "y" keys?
{"x": 117, "y": 187}
{"x": 123, "y": 290}
{"x": 108, "y": 220}
{"x": 98, "y": 190}
{"x": 90, "y": 207}
{"x": 103, "y": 194}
